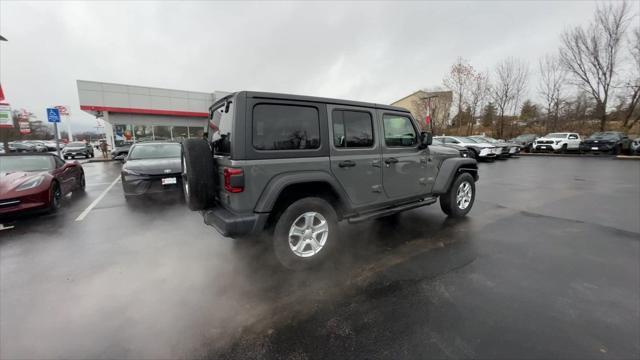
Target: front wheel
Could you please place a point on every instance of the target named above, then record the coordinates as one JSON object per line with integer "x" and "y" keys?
{"x": 563, "y": 149}
{"x": 55, "y": 197}
{"x": 457, "y": 202}
{"x": 306, "y": 233}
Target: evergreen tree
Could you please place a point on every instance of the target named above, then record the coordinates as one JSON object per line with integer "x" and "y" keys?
{"x": 529, "y": 111}
{"x": 489, "y": 115}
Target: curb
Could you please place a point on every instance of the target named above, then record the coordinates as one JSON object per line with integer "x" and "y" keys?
{"x": 100, "y": 160}
{"x": 567, "y": 155}
{"x": 628, "y": 157}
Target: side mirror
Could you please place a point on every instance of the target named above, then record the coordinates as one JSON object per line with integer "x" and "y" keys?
{"x": 426, "y": 139}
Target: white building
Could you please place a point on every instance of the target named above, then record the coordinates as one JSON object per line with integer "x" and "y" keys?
{"x": 137, "y": 113}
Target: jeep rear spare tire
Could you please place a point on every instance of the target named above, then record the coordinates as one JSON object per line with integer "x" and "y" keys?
{"x": 198, "y": 175}
{"x": 306, "y": 233}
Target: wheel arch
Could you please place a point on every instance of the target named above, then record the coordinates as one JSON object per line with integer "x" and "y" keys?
{"x": 449, "y": 169}
{"x": 287, "y": 188}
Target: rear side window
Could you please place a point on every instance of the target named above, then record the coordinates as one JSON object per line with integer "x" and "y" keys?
{"x": 352, "y": 129}
{"x": 220, "y": 126}
{"x": 285, "y": 127}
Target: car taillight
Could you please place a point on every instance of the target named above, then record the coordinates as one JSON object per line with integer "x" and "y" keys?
{"x": 233, "y": 180}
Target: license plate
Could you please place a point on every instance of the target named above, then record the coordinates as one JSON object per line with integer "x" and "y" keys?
{"x": 169, "y": 181}
{"x": 594, "y": 148}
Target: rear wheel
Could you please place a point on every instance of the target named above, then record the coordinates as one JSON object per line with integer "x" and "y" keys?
{"x": 457, "y": 202}
{"x": 473, "y": 153}
{"x": 198, "y": 176}
{"x": 306, "y": 233}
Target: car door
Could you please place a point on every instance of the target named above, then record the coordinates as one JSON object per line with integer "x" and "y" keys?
{"x": 405, "y": 167}
{"x": 355, "y": 152}
{"x": 573, "y": 141}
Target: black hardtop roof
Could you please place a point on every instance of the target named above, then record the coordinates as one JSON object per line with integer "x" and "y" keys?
{"x": 269, "y": 95}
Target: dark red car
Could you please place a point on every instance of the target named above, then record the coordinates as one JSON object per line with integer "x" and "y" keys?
{"x": 36, "y": 182}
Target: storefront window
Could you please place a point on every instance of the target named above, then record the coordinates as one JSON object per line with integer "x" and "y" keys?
{"x": 196, "y": 131}
{"x": 162, "y": 132}
{"x": 143, "y": 133}
{"x": 180, "y": 133}
{"x": 122, "y": 134}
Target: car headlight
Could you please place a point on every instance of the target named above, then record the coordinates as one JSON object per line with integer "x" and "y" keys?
{"x": 130, "y": 172}
{"x": 558, "y": 142}
{"x": 31, "y": 183}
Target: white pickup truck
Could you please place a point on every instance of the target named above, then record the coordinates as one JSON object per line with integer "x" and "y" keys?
{"x": 558, "y": 142}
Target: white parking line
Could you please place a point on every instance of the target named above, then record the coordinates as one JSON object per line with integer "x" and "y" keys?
{"x": 96, "y": 201}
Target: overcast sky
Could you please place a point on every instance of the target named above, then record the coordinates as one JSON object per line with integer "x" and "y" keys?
{"x": 371, "y": 51}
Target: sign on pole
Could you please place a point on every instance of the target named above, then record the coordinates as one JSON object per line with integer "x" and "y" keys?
{"x": 6, "y": 119}
{"x": 25, "y": 127}
{"x": 63, "y": 110}
{"x": 53, "y": 116}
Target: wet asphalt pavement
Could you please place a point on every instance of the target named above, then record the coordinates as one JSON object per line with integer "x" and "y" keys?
{"x": 546, "y": 265}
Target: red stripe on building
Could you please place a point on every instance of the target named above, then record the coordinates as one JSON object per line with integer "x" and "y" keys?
{"x": 144, "y": 111}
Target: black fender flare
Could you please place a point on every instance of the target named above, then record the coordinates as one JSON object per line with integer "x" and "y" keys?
{"x": 275, "y": 186}
{"x": 449, "y": 169}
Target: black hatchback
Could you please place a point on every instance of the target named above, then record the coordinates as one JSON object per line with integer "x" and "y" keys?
{"x": 152, "y": 167}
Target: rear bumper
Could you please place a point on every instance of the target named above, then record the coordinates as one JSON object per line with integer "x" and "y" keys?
{"x": 135, "y": 185}
{"x": 230, "y": 224}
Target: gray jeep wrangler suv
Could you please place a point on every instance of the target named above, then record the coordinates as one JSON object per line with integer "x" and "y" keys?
{"x": 294, "y": 166}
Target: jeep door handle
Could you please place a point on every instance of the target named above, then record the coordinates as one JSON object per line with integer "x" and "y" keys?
{"x": 346, "y": 163}
{"x": 390, "y": 161}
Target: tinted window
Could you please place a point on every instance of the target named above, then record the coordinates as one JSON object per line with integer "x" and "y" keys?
{"x": 398, "y": 131}
{"x": 352, "y": 129}
{"x": 285, "y": 127}
{"x": 155, "y": 151}
{"x": 450, "y": 141}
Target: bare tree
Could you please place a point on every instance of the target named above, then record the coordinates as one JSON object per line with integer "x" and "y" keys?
{"x": 590, "y": 54}
{"x": 552, "y": 77}
{"x": 478, "y": 92}
{"x": 508, "y": 86}
{"x": 631, "y": 114}
{"x": 458, "y": 81}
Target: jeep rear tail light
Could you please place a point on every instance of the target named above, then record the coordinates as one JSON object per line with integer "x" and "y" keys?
{"x": 233, "y": 180}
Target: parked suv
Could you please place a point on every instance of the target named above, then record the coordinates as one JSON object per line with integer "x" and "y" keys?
{"x": 477, "y": 150}
{"x": 558, "y": 142}
{"x": 78, "y": 148}
{"x": 525, "y": 141}
{"x": 605, "y": 142}
{"x": 293, "y": 166}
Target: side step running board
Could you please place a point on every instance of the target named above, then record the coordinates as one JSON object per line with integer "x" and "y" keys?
{"x": 390, "y": 211}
